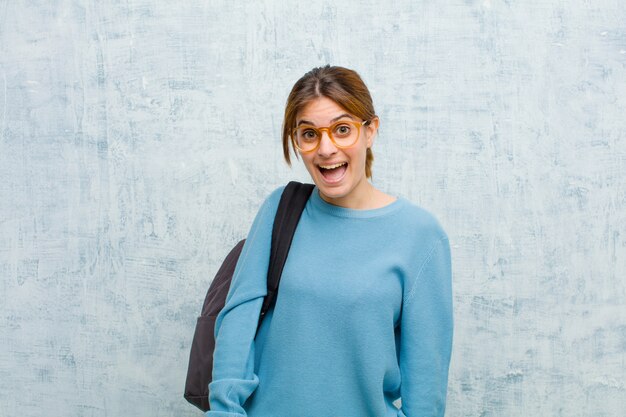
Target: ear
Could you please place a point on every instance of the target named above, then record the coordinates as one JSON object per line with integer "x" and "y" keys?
{"x": 372, "y": 130}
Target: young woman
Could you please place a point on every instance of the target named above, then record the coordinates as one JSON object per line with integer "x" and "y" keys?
{"x": 364, "y": 310}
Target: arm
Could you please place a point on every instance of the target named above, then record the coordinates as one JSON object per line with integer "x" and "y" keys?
{"x": 426, "y": 336}
{"x": 234, "y": 379}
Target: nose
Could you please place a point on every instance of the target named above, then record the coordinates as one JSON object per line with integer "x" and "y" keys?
{"x": 327, "y": 147}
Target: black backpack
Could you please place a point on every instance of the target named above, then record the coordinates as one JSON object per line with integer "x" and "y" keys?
{"x": 199, "y": 373}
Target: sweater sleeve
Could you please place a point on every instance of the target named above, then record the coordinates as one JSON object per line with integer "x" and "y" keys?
{"x": 426, "y": 336}
{"x": 234, "y": 379}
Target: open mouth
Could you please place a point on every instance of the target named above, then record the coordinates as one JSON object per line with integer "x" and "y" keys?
{"x": 333, "y": 173}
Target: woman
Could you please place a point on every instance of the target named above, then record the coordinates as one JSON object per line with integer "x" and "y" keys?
{"x": 364, "y": 310}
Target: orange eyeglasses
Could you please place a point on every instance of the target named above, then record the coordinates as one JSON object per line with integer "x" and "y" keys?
{"x": 343, "y": 134}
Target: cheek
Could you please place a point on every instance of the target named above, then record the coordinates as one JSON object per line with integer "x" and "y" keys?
{"x": 358, "y": 156}
{"x": 308, "y": 163}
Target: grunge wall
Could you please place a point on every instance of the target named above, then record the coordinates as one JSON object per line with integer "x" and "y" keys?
{"x": 138, "y": 139}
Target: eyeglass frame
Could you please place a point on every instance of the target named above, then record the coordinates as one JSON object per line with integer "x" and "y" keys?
{"x": 329, "y": 134}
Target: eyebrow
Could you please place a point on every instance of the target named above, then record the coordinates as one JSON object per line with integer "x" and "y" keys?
{"x": 332, "y": 121}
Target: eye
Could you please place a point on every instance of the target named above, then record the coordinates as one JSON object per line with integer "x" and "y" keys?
{"x": 308, "y": 134}
{"x": 343, "y": 130}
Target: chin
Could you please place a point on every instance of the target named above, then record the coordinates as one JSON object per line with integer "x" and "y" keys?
{"x": 334, "y": 192}
{"x": 330, "y": 193}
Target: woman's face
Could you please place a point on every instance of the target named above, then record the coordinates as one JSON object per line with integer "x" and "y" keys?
{"x": 347, "y": 184}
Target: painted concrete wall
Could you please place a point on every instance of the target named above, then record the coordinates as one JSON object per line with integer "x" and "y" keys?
{"x": 137, "y": 140}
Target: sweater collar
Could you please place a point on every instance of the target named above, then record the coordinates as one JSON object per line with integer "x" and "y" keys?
{"x": 339, "y": 211}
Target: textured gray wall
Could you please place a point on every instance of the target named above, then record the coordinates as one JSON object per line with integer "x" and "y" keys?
{"x": 137, "y": 140}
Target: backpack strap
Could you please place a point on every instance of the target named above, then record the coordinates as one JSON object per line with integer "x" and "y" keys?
{"x": 292, "y": 203}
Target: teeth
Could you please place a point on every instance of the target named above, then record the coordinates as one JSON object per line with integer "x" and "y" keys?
{"x": 332, "y": 166}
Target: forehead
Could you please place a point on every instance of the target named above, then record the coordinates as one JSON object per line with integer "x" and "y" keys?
{"x": 320, "y": 110}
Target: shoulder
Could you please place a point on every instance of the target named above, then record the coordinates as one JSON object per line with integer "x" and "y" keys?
{"x": 423, "y": 223}
{"x": 274, "y": 196}
{"x": 271, "y": 201}
{"x": 428, "y": 251}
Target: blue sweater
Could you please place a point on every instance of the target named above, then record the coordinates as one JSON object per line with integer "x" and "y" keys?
{"x": 363, "y": 316}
